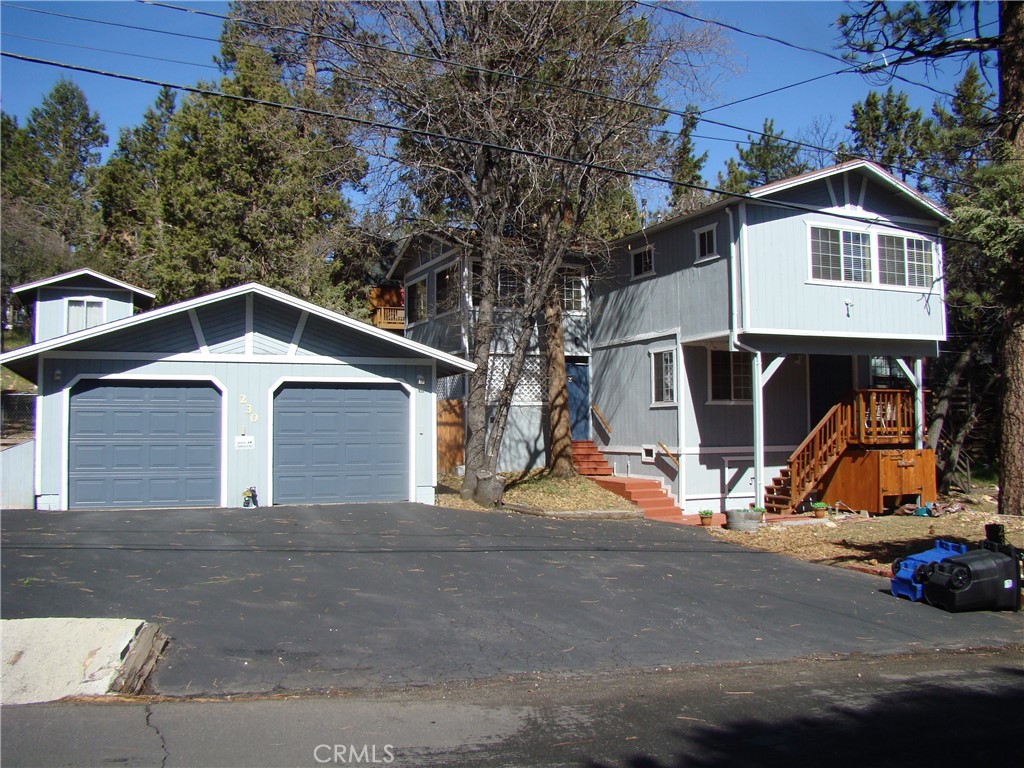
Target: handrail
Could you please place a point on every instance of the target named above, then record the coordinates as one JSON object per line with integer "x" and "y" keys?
{"x": 864, "y": 417}
{"x": 667, "y": 452}
{"x": 600, "y": 417}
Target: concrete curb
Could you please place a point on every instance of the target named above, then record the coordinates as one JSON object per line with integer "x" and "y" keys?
{"x": 571, "y": 514}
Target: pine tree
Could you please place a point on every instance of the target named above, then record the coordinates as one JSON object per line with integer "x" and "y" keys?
{"x": 687, "y": 167}
{"x": 888, "y": 132}
{"x": 765, "y": 159}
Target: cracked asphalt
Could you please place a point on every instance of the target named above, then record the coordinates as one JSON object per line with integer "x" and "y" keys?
{"x": 286, "y": 599}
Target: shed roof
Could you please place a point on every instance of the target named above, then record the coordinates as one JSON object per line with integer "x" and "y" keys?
{"x": 141, "y": 296}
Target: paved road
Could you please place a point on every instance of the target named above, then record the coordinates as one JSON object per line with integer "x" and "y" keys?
{"x": 350, "y": 596}
{"x": 929, "y": 709}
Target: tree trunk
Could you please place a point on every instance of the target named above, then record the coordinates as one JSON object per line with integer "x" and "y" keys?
{"x": 1011, "y": 442}
{"x": 560, "y": 460}
{"x": 1011, "y": 71}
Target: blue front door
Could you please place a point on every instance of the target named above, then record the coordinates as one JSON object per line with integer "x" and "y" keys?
{"x": 577, "y": 378}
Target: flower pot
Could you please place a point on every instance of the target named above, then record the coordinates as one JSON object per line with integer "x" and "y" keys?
{"x": 706, "y": 521}
{"x": 742, "y": 519}
{"x": 819, "y": 513}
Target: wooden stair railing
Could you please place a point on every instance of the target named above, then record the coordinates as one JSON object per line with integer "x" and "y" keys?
{"x": 870, "y": 417}
{"x": 601, "y": 418}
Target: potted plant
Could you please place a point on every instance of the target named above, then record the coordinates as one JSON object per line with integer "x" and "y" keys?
{"x": 705, "y": 517}
{"x": 819, "y": 508}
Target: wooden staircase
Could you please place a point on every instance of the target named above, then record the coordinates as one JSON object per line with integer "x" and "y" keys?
{"x": 588, "y": 459}
{"x": 647, "y": 494}
{"x": 864, "y": 419}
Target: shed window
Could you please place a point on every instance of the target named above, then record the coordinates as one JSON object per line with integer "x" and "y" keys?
{"x": 730, "y": 376}
{"x": 84, "y": 313}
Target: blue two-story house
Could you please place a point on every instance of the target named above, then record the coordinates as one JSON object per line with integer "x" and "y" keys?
{"x": 782, "y": 334}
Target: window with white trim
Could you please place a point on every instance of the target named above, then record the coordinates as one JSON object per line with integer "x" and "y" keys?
{"x": 446, "y": 289}
{"x": 573, "y": 294}
{"x": 416, "y": 301}
{"x": 707, "y": 243}
{"x": 511, "y": 288}
{"x": 643, "y": 262}
{"x": 904, "y": 261}
{"x": 840, "y": 255}
{"x": 731, "y": 376}
{"x": 84, "y": 313}
{"x": 663, "y": 372}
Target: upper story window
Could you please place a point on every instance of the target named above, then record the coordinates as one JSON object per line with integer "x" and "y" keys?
{"x": 707, "y": 243}
{"x": 416, "y": 301}
{"x": 84, "y": 313}
{"x": 447, "y": 289}
{"x": 847, "y": 256}
{"x": 840, "y": 255}
{"x": 731, "y": 376}
{"x": 573, "y": 293}
{"x": 643, "y": 262}
{"x": 664, "y": 376}
{"x": 904, "y": 261}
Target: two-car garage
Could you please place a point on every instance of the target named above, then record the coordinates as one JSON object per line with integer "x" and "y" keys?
{"x": 192, "y": 404}
{"x": 159, "y": 444}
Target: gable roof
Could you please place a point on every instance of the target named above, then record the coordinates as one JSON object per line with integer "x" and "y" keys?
{"x": 766, "y": 191}
{"x": 21, "y": 360}
{"x": 78, "y": 274}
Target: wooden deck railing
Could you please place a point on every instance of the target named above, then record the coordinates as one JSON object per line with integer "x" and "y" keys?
{"x": 867, "y": 417}
{"x": 389, "y": 318}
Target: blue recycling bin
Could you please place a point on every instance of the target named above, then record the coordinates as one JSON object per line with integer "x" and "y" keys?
{"x": 910, "y": 573}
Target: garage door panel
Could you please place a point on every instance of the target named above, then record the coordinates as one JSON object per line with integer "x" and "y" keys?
{"x": 144, "y": 444}
{"x": 340, "y": 443}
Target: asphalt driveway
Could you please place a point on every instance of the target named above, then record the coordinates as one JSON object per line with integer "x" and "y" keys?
{"x": 320, "y": 597}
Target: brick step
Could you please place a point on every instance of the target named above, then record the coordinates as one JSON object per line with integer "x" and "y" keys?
{"x": 589, "y": 460}
{"x": 648, "y": 495}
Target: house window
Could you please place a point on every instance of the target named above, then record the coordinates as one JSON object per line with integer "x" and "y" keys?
{"x": 447, "y": 289}
{"x": 730, "y": 376}
{"x": 416, "y": 301}
{"x": 839, "y": 255}
{"x": 707, "y": 243}
{"x": 904, "y": 261}
{"x": 643, "y": 262}
{"x": 664, "y": 371}
{"x": 84, "y": 313}
{"x": 573, "y": 296}
{"x": 511, "y": 289}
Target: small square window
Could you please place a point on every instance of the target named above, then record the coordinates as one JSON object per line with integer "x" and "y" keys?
{"x": 643, "y": 262}
{"x": 511, "y": 289}
{"x": 573, "y": 296}
{"x": 730, "y": 376}
{"x": 84, "y": 313}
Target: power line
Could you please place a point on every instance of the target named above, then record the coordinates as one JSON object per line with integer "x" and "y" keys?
{"x": 462, "y": 140}
{"x": 546, "y": 84}
{"x": 107, "y": 50}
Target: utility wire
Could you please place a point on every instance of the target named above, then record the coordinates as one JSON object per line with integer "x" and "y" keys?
{"x": 464, "y": 140}
{"x": 548, "y": 84}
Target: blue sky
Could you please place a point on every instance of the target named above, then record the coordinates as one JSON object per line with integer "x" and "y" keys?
{"x": 186, "y": 56}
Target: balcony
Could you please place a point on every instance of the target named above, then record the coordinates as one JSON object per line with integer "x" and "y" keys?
{"x": 389, "y": 318}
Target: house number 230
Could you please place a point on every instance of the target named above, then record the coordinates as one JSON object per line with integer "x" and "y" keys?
{"x": 243, "y": 400}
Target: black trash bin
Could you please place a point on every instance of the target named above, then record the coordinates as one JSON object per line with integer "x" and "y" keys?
{"x": 981, "y": 580}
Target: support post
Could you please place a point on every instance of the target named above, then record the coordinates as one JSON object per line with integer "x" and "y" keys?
{"x": 916, "y": 376}
{"x": 758, "y": 392}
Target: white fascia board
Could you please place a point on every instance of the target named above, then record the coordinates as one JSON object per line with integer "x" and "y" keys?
{"x": 420, "y": 350}
{"x": 85, "y": 272}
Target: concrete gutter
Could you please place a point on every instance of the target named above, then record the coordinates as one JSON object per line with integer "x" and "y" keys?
{"x": 50, "y": 659}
